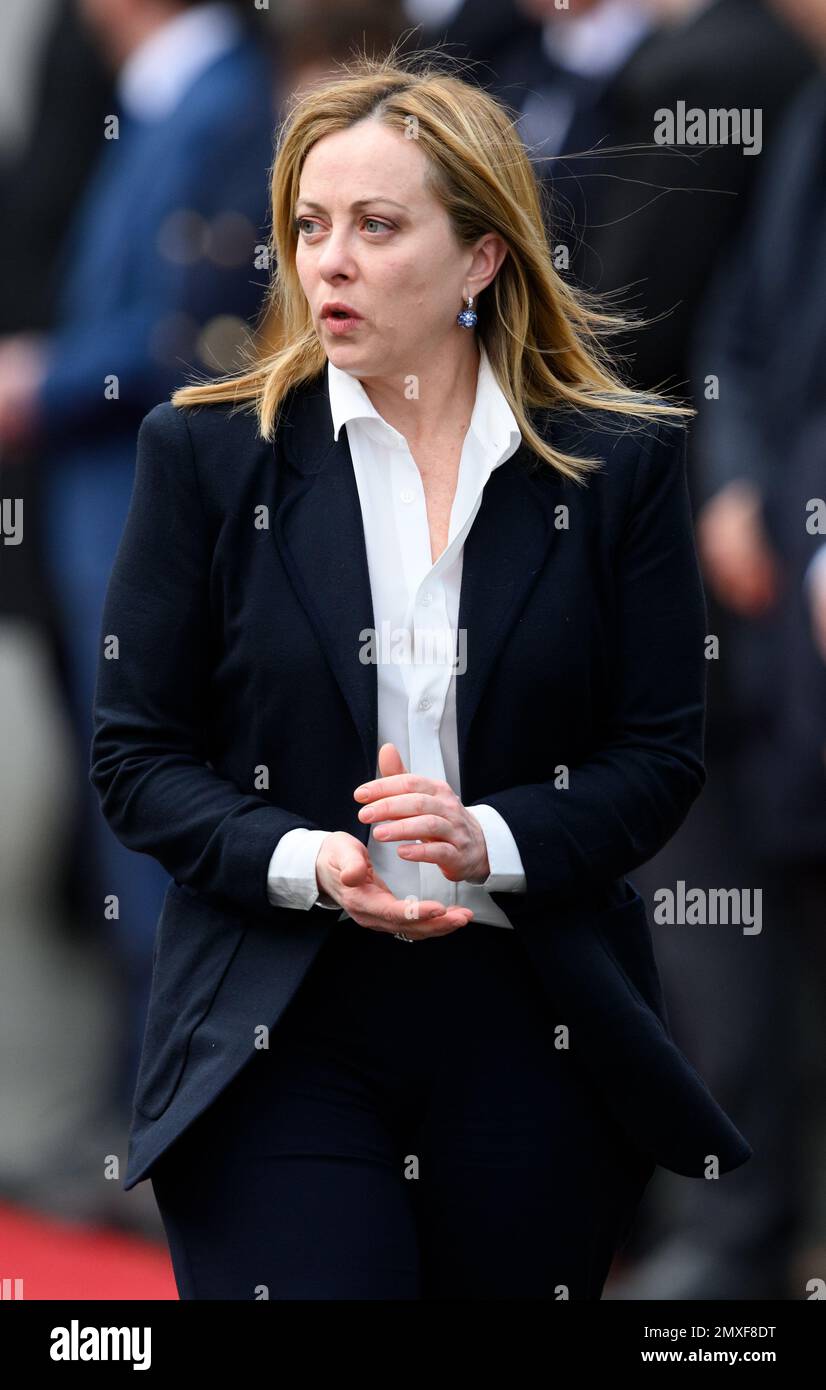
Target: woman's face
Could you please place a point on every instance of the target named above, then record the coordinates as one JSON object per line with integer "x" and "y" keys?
{"x": 371, "y": 236}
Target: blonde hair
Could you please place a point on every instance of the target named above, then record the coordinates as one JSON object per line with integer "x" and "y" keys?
{"x": 542, "y": 335}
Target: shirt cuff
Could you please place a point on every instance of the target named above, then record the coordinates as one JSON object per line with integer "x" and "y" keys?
{"x": 507, "y": 873}
{"x": 291, "y": 880}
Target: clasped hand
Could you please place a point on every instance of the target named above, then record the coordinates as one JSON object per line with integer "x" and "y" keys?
{"x": 409, "y": 807}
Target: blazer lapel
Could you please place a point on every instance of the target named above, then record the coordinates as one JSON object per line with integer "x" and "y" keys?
{"x": 318, "y": 530}
{"x": 504, "y": 552}
{"x": 319, "y": 533}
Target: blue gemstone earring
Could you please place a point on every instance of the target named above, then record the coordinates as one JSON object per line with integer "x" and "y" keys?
{"x": 467, "y": 316}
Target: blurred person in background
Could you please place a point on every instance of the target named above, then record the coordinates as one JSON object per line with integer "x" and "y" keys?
{"x": 161, "y": 272}
{"x": 645, "y": 222}
{"x": 760, "y": 449}
{"x": 52, "y": 965}
{"x": 45, "y": 171}
{"x": 41, "y": 182}
{"x": 761, "y": 438}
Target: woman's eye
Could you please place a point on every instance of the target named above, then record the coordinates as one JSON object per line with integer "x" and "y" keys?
{"x": 309, "y": 225}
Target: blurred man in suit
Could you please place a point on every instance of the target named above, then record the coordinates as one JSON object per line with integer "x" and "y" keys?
{"x": 762, "y": 531}
{"x": 159, "y": 276}
{"x": 646, "y": 222}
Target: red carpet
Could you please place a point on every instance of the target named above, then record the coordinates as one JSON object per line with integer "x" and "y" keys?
{"x": 59, "y": 1260}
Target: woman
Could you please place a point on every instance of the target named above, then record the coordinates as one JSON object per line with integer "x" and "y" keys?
{"x": 438, "y": 456}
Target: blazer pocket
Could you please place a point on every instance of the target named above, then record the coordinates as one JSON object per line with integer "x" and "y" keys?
{"x": 194, "y": 947}
{"x": 626, "y": 936}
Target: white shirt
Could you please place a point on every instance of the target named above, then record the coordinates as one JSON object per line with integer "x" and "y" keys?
{"x": 419, "y": 653}
{"x": 158, "y": 73}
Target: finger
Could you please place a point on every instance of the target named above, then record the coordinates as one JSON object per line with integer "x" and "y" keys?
{"x": 436, "y": 852}
{"x": 407, "y": 804}
{"x": 383, "y": 903}
{"x": 391, "y": 913}
{"x": 353, "y": 866}
{"x": 394, "y": 786}
{"x": 422, "y": 927}
{"x": 390, "y": 761}
{"x": 418, "y": 828}
{"x": 454, "y": 920}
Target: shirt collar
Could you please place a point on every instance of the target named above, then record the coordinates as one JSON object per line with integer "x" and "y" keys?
{"x": 492, "y": 422}
{"x": 160, "y": 70}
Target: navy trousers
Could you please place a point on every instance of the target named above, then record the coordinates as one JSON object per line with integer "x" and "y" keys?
{"x": 411, "y": 1132}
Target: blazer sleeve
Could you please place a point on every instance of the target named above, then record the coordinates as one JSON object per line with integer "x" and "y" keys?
{"x": 149, "y": 763}
{"x": 625, "y": 801}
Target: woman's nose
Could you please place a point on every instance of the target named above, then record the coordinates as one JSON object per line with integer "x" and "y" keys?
{"x": 336, "y": 257}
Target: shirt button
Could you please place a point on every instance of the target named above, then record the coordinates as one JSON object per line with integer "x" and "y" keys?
{"x": 406, "y": 495}
{"x": 426, "y": 599}
{"x": 425, "y": 703}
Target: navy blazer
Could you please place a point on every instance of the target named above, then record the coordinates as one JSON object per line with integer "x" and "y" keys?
{"x": 231, "y": 706}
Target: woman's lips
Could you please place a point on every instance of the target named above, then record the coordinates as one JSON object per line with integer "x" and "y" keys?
{"x": 337, "y": 326}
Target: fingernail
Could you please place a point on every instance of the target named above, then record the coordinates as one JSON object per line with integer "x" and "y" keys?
{"x": 360, "y": 792}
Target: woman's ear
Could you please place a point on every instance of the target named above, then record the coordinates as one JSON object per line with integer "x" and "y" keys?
{"x": 488, "y": 256}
